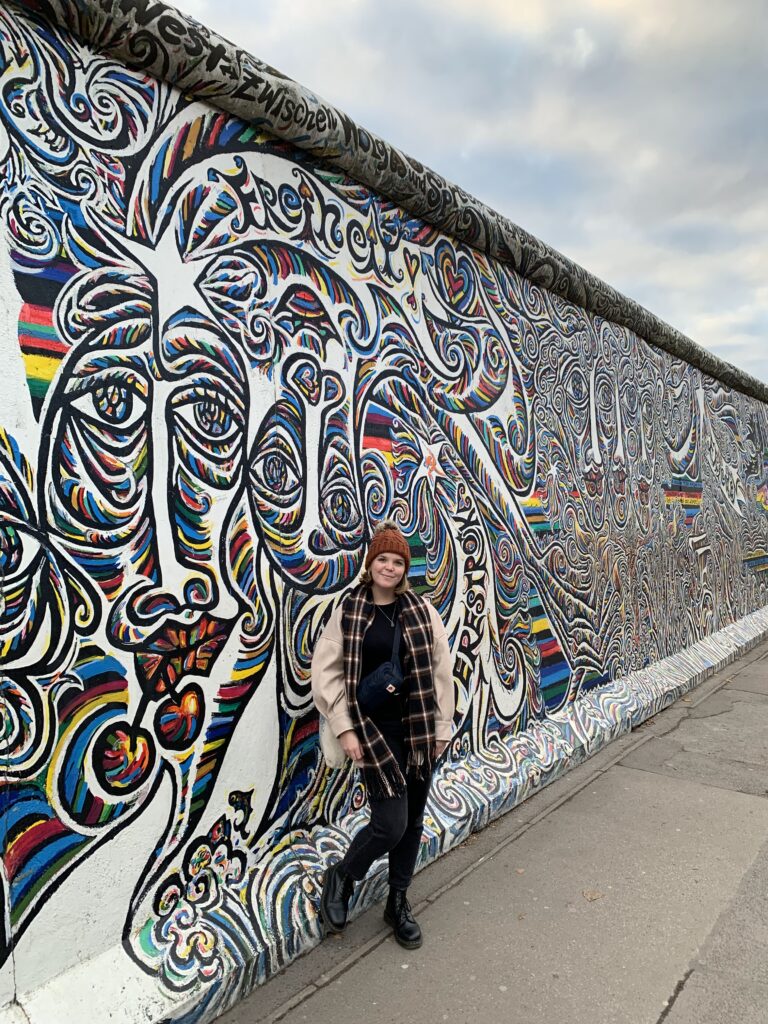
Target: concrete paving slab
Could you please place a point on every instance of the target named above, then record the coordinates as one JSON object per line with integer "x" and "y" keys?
{"x": 754, "y": 680}
{"x": 754, "y": 664}
{"x": 593, "y": 915}
{"x": 368, "y": 929}
{"x": 738, "y": 944}
{"x": 722, "y": 742}
{"x": 713, "y": 998}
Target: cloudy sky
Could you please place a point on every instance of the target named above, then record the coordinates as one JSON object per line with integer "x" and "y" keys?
{"x": 632, "y": 135}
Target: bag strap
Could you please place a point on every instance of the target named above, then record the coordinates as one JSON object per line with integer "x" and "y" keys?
{"x": 395, "y": 656}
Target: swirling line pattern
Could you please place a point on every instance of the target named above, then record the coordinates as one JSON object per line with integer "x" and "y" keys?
{"x": 236, "y": 364}
{"x": 161, "y": 41}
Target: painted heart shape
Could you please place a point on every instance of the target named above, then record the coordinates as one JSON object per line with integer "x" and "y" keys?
{"x": 178, "y": 721}
{"x": 306, "y": 377}
{"x": 412, "y": 265}
{"x": 457, "y": 283}
{"x": 123, "y": 758}
{"x": 457, "y": 278}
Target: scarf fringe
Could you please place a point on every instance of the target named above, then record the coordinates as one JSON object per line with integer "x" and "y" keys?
{"x": 387, "y": 781}
{"x": 420, "y": 764}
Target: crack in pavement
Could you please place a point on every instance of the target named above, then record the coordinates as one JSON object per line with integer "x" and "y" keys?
{"x": 675, "y": 995}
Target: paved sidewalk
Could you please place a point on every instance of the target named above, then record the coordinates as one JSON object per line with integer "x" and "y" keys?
{"x": 632, "y": 891}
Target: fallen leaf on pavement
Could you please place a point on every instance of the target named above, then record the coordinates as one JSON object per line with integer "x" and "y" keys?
{"x": 590, "y": 895}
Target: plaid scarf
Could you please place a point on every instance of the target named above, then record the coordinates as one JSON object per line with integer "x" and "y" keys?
{"x": 382, "y": 772}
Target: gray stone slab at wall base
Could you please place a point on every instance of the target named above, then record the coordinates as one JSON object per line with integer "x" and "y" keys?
{"x": 112, "y": 988}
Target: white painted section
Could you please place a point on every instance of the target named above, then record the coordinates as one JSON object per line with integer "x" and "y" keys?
{"x": 86, "y": 914}
{"x": 14, "y": 394}
{"x": 108, "y": 987}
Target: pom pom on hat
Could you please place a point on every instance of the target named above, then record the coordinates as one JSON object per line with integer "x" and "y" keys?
{"x": 388, "y": 538}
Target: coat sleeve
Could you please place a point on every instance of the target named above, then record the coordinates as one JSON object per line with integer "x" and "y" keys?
{"x": 327, "y": 676}
{"x": 442, "y": 674}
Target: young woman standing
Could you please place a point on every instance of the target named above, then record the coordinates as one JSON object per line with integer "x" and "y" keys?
{"x": 395, "y": 732}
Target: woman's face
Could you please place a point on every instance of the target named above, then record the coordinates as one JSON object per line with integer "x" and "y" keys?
{"x": 387, "y": 570}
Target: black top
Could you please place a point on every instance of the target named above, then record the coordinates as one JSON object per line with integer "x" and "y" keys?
{"x": 377, "y": 648}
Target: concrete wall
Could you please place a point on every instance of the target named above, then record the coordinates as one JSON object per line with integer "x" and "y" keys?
{"x": 223, "y": 361}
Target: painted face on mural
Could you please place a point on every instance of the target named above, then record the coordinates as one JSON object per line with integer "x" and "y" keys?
{"x": 145, "y": 470}
{"x": 179, "y": 447}
{"x": 302, "y": 482}
{"x": 596, "y": 437}
{"x": 197, "y": 486}
{"x": 593, "y": 387}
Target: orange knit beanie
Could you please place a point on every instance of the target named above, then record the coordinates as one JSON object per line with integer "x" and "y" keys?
{"x": 388, "y": 538}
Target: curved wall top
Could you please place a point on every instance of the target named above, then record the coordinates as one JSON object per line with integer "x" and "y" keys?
{"x": 158, "y": 39}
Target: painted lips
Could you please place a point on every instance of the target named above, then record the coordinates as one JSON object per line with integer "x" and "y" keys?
{"x": 124, "y": 753}
{"x": 178, "y": 650}
{"x": 594, "y": 483}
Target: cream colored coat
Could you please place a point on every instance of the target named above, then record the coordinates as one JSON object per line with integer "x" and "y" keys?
{"x": 329, "y": 693}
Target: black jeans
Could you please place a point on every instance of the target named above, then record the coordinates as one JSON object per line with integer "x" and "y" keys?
{"x": 395, "y": 828}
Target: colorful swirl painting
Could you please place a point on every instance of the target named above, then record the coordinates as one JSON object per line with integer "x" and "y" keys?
{"x": 223, "y": 364}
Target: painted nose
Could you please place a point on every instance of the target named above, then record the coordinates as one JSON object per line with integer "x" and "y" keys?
{"x": 197, "y": 593}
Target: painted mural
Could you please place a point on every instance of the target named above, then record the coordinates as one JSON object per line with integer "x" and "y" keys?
{"x": 223, "y": 365}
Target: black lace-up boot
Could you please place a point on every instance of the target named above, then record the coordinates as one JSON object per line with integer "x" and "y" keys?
{"x": 398, "y": 914}
{"x": 334, "y": 900}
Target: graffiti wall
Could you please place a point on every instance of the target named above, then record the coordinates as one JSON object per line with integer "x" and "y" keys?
{"x": 222, "y": 365}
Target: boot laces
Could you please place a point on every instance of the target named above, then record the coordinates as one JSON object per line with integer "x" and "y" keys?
{"x": 403, "y": 908}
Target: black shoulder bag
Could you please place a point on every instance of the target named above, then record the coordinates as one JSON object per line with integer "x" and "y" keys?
{"x": 384, "y": 682}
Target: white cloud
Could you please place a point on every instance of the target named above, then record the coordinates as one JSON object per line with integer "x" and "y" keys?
{"x": 579, "y": 50}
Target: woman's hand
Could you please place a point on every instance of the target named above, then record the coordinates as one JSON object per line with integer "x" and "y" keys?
{"x": 439, "y": 748}
{"x": 350, "y": 744}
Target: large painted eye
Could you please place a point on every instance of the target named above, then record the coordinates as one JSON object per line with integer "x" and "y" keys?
{"x": 578, "y": 389}
{"x": 111, "y": 404}
{"x": 276, "y": 466}
{"x": 605, "y": 395}
{"x": 210, "y": 418}
{"x": 277, "y": 473}
{"x": 630, "y": 397}
{"x": 632, "y": 443}
{"x": 19, "y": 552}
{"x": 339, "y": 506}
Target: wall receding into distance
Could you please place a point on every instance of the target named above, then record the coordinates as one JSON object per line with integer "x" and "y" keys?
{"x": 224, "y": 360}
